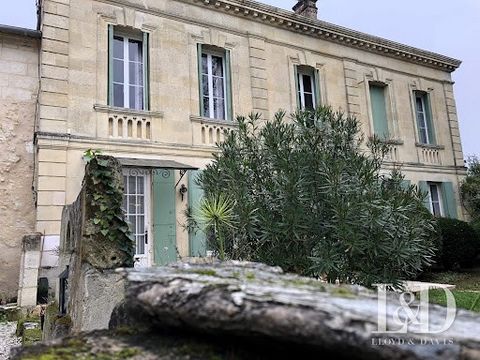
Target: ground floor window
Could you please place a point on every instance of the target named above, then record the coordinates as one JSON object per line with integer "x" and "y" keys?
{"x": 136, "y": 211}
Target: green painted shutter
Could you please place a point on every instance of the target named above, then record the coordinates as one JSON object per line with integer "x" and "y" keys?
{"x": 297, "y": 87}
{"x": 146, "y": 72}
{"x": 200, "y": 79}
{"x": 197, "y": 239}
{"x": 428, "y": 115}
{"x": 423, "y": 186}
{"x": 448, "y": 200}
{"x": 379, "y": 111}
{"x": 164, "y": 219}
{"x": 228, "y": 80}
{"x": 316, "y": 75}
{"x": 110, "y": 65}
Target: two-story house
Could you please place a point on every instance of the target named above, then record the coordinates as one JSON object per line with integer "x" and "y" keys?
{"x": 156, "y": 83}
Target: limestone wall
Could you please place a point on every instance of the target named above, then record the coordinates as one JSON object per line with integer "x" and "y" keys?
{"x": 18, "y": 95}
{"x": 75, "y": 116}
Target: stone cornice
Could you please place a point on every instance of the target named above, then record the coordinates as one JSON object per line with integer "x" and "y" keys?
{"x": 330, "y": 32}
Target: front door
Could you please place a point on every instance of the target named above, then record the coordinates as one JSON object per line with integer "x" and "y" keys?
{"x": 136, "y": 202}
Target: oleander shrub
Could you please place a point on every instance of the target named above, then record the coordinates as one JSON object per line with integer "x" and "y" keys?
{"x": 308, "y": 193}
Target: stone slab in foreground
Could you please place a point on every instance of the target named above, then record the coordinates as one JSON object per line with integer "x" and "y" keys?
{"x": 238, "y": 310}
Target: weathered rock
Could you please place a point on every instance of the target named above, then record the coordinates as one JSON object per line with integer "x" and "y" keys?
{"x": 254, "y": 300}
{"x": 238, "y": 310}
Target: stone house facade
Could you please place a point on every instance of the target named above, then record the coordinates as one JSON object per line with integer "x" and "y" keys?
{"x": 19, "y": 85}
{"x": 156, "y": 83}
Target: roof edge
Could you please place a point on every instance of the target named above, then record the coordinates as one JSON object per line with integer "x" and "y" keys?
{"x": 8, "y": 29}
{"x": 327, "y": 31}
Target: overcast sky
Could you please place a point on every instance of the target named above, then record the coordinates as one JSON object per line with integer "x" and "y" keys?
{"x": 449, "y": 27}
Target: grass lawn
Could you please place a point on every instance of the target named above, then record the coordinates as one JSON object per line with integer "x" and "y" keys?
{"x": 467, "y": 290}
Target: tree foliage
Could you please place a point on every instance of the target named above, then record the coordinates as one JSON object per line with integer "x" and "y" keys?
{"x": 310, "y": 195}
{"x": 470, "y": 189}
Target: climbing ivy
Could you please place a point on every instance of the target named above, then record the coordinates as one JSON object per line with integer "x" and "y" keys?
{"x": 106, "y": 222}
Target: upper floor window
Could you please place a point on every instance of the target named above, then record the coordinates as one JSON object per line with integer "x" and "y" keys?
{"x": 378, "y": 96}
{"x": 306, "y": 79}
{"x": 426, "y": 134}
{"x": 214, "y": 78}
{"x": 128, "y": 69}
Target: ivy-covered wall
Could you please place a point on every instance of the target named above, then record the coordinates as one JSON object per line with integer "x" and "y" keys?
{"x": 95, "y": 240}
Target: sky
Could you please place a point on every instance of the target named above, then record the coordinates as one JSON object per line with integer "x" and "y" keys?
{"x": 450, "y": 28}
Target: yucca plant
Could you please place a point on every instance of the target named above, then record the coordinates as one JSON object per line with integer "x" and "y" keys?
{"x": 215, "y": 217}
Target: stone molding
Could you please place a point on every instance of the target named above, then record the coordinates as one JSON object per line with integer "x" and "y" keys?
{"x": 125, "y": 111}
{"x": 330, "y": 32}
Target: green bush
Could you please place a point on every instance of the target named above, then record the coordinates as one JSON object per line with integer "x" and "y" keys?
{"x": 309, "y": 195}
{"x": 470, "y": 188}
{"x": 460, "y": 244}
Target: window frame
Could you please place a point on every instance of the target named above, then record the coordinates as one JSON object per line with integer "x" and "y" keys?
{"x": 310, "y": 71}
{"x": 427, "y": 129}
{"x": 143, "y": 38}
{"x": 440, "y": 199}
{"x": 224, "y": 54}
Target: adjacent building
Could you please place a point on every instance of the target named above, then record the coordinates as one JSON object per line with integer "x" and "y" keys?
{"x": 156, "y": 83}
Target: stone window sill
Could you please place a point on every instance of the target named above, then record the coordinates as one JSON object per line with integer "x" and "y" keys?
{"x": 430, "y": 146}
{"x": 113, "y": 109}
{"x": 204, "y": 120}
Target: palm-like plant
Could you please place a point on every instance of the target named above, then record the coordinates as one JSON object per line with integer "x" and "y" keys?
{"x": 215, "y": 217}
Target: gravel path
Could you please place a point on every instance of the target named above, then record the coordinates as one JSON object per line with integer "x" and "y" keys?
{"x": 7, "y": 339}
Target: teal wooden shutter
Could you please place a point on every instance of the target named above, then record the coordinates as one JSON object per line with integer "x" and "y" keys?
{"x": 448, "y": 200}
{"x": 110, "y": 65}
{"x": 228, "y": 81}
{"x": 200, "y": 79}
{"x": 197, "y": 238}
{"x": 297, "y": 87}
{"x": 379, "y": 111}
{"x": 423, "y": 186}
{"x": 164, "y": 219}
{"x": 316, "y": 76}
{"x": 146, "y": 72}
{"x": 428, "y": 115}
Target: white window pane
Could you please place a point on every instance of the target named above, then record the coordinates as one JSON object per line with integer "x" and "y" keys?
{"x": 136, "y": 97}
{"x": 436, "y": 209}
{"x": 423, "y": 136}
{"x": 219, "y": 106}
{"x": 205, "y": 85}
{"x": 136, "y": 73}
{"x": 217, "y": 66}
{"x": 204, "y": 64}
{"x": 419, "y": 104}
{"x": 118, "y": 73}
{"x": 118, "y": 47}
{"x": 308, "y": 101}
{"x": 118, "y": 98}
{"x": 140, "y": 186}
{"x": 434, "y": 193}
{"x": 206, "y": 106}
{"x": 132, "y": 185}
{"x": 307, "y": 84}
{"x": 135, "y": 50}
{"x": 218, "y": 87}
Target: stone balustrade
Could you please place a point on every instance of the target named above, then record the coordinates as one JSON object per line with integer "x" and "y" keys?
{"x": 208, "y": 132}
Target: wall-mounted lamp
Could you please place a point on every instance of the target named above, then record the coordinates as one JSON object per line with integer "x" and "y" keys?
{"x": 183, "y": 190}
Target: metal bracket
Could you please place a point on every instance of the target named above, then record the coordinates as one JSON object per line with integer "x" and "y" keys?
{"x": 182, "y": 174}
